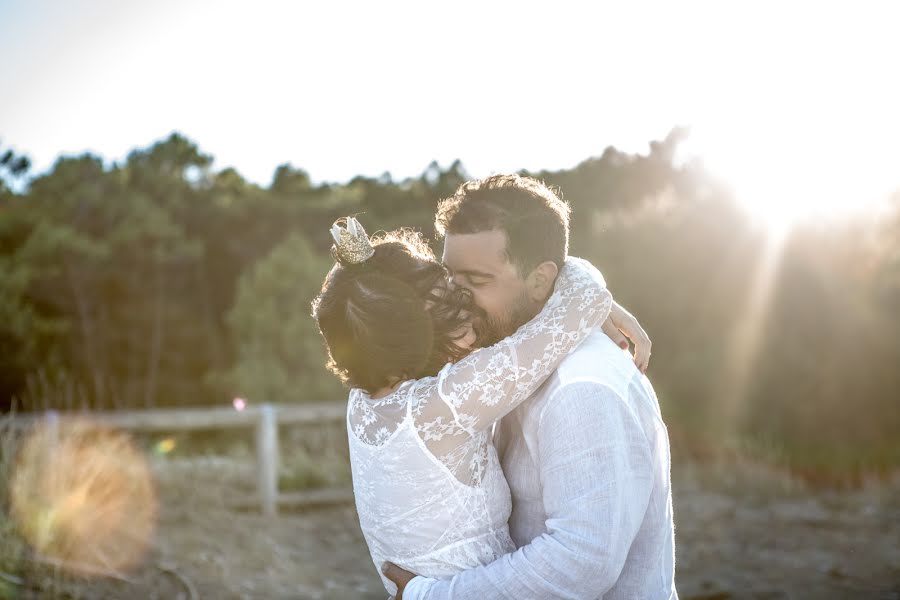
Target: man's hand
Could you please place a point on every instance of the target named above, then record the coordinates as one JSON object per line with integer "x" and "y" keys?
{"x": 620, "y": 327}
{"x": 399, "y": 576}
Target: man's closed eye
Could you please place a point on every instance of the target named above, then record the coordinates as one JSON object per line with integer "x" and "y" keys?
{"x": 477, "y": 282}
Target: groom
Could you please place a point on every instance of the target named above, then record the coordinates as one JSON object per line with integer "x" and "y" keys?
{"x": 587, "y": 456}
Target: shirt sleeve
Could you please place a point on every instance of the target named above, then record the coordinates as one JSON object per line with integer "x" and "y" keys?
{"x": 596, "y": 469}
{"x": 417, "y": 588}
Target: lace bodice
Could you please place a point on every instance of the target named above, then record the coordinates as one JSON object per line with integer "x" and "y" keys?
{"x": 429, "y": 490}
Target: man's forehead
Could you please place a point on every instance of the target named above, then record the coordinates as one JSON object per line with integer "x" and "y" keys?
{"x": 485, "y": 248}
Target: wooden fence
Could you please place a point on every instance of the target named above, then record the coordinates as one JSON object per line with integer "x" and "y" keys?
{"x": 265, "y": 418}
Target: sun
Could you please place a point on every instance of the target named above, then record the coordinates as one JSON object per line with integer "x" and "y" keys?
{"x": 792, "y": 178}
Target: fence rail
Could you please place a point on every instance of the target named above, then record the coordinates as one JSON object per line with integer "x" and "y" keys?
{"x": 264, "y": 417}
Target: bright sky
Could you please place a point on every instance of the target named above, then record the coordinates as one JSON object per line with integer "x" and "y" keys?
{"x": 784, "y": 100}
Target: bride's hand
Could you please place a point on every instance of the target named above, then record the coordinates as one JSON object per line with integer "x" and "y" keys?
{"x": 620, "y": 327}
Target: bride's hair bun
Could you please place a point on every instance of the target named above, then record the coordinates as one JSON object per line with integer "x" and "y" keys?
{"x": 391, "y": 316}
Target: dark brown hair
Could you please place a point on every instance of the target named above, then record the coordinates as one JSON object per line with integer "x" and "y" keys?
{"x": 534, "y": 219}
{"x": 392, "y": 316}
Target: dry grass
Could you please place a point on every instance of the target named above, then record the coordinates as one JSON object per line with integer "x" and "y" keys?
{"x": 12, "y": 548}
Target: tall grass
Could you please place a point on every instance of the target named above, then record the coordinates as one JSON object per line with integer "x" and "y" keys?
{"x": 12, "y": 547}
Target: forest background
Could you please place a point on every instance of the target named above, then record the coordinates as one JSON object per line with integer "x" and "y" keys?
{"x": 159, "y": 281}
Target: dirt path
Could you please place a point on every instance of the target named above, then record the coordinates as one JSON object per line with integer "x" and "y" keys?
{"x": 751, "y": 534}
{"x": 740, "y": 533}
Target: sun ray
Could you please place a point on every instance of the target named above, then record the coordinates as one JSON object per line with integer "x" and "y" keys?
{"x": 746, "y": 340}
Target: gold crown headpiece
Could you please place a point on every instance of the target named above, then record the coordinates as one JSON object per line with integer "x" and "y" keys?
{"x": 351, "y": 243}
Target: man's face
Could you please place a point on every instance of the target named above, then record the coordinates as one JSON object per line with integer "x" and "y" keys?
{"x": 477, "y": 261}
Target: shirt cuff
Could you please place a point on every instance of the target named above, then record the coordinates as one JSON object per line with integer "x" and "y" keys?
{"x": 417, "y": 587}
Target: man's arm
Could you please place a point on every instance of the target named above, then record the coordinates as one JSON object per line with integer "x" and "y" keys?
{"x": 596, "y": 470}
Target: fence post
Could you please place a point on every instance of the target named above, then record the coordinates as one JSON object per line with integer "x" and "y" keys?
{"x": 267, "y": 457}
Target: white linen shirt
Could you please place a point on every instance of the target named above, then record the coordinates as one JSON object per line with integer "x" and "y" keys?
{"x": 587, "y": 461}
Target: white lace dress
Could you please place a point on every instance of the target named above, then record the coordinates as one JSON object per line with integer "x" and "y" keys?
{"x": 429, "y": 489}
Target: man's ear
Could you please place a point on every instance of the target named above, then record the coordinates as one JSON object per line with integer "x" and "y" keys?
{"x": 539, "y": 283}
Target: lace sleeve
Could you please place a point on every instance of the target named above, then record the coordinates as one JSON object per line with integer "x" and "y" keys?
{"x": 483, "y": 387}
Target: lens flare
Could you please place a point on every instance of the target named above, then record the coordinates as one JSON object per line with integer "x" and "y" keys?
{"x": 83, "y": 495}
{"x": 239, "y": 403}
{"x": 164, "y": 446}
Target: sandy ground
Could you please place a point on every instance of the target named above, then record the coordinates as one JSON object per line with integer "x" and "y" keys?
{"x": 741, "y": 532}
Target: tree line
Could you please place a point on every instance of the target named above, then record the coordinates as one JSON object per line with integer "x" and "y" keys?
{"x": 161, "y": 281}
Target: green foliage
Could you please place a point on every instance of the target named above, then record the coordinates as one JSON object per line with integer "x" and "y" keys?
{"x": 13, "y": 167}
{"x": 277, "y": 348}
{"x": 159, "y": 281}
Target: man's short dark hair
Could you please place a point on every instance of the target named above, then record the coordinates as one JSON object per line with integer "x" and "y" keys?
{"x": 531, "y": 215}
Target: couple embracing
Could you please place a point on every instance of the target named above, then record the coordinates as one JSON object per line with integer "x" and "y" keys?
{"x": 503, "y": 443}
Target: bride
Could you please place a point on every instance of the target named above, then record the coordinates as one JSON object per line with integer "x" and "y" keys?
{"x": 430, "y": 493}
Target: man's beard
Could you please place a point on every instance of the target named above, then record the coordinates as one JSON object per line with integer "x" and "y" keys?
{"x": 490, "y": 330}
